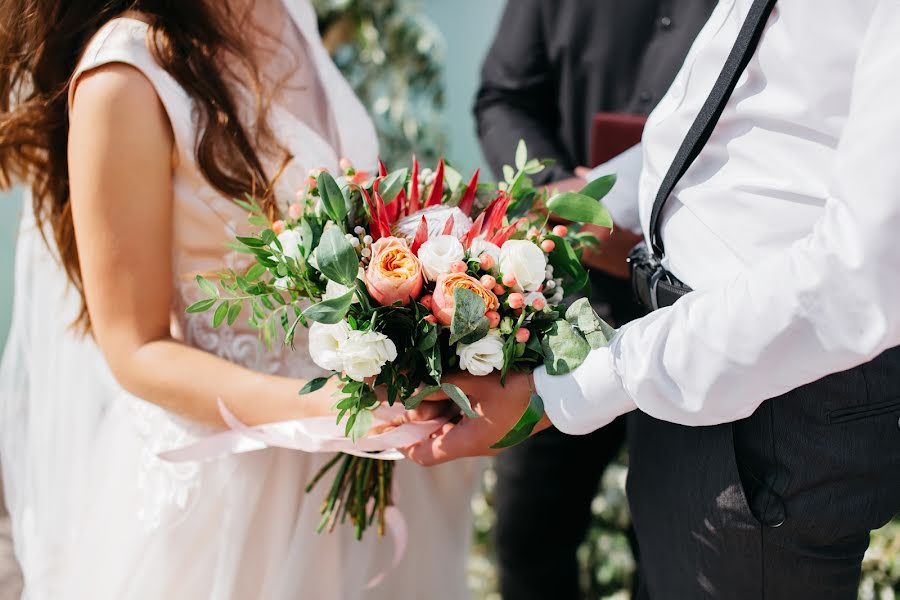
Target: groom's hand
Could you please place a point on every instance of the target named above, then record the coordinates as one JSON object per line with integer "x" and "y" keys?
{"x": 500, "y": 408}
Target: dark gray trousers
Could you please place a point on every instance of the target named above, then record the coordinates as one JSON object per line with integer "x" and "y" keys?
{"x": 776, "y": 506}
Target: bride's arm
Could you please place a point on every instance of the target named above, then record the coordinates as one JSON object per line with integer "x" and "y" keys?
{"x": 120, "y": 169}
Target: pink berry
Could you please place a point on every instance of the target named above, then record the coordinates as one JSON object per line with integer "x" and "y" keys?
{"x": 295, "y": 211}
{"x": 459, "y": 267}
{"x": 548, "y": 245}
{"x": 516, "y": 300}
{"x": 427, "y": 301}
{"x": 533, "y": 232}
{"x": 493, "y": 318}
{"x": 486, "y": 261}
{"x": 523, "y": 335}
{"x": 300, "y": 196}
{"x": 539, "y": 303}
{"x": 561, "y": 231}
{"x": 311, "y": 183}
{"x": 488, "y": 281}
{"x": 499, "y": 290}
{"x": 509, "y": 280}
{"x": 517, "y": 313}
{"x": 431, "y": 319}
{"x": 278, "y": 227}
{"x": 345, "y": 164}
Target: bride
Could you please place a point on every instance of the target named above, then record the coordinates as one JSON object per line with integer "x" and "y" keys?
{"x": 134, "y": 123}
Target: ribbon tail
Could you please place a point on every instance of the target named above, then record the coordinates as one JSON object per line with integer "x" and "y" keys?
{"x": 396, "y": 526}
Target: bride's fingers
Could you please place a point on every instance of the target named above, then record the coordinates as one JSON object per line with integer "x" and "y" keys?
{"x": 454, "y": 441}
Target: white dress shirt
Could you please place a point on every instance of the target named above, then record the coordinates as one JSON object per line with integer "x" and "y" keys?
{"x": 787, "y": 226}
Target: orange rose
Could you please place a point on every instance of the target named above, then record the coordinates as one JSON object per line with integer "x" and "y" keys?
{"x": 394, "y": 273}
{"x": 442, "y": 300}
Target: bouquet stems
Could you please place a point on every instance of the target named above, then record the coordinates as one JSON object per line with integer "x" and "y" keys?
{"x": 361, "y": 491}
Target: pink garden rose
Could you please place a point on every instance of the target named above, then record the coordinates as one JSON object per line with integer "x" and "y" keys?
{"x": 442, "y": 300}
{"x": 394, "y": 273}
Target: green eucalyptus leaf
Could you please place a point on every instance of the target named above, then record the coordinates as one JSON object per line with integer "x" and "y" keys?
{"x": 565, "y": 348}
{"x": 314, "y": 385}
{"x": 392, "y": 184}
{"x": 508, "y": 174}
{"x": 416, "y": 399}
{"x": 580, "y": 209}
{"x": 521, "y": 431}
{"x": 207, "y": 287}
{"x": 330, "y": 311}
{"x": 220, "y": 314}
{"x": 566, "y": 262}
{"x": 452, "y": 177}
{"x": 234, "y": 312}
{"x": 600, "y": 187}
{"x": 468, "y": 314}
{"x": 361, "y": 425}
{"x": 252, "y": 242}
{"x": 336, "y": 258}
{"x": 521, "y": 155}
{"x": 202, "y": 306}
{"x": 597, "y": 331}
{"x": 255, "y": 272}
{"x": 332, "y": 198}
{"x": 460, "y": 399}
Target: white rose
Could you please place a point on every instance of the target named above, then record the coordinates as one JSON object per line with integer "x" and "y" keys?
{"x": 482, "y": 357}
{"x": 325, "y": 342}
{"x": 438, "y": 255}
{"x": 333, "y": 289}
{"x": 290, "y": 244}
{"x": 482, "y": 246}
{"x": 525, "y": 261}
{"x": 364, "y": 353}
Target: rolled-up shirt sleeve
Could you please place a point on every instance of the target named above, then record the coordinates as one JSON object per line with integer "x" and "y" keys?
{"x": 828, "y": 302}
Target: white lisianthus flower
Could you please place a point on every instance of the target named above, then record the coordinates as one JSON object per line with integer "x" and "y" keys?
{"x": 333, "y": 289}
{"x": 364, "y": 353}
{"x": 290, "y": 243}
{"x": 325, "y": 343}
{"x": 525, "y": 261}
{"x": 482, "y": 246}
{"x": 482, "y": 357}
{"x": 438, "y": 254}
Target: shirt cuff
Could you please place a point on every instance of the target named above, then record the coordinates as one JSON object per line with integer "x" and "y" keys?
{"x": 586, "y": 399}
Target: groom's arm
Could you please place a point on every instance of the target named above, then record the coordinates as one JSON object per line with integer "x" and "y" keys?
{"x": 827, "y": 303}
{"x": 517, "y": 97}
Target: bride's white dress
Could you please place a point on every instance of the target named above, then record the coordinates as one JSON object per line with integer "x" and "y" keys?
{"x": 97, "y": 515}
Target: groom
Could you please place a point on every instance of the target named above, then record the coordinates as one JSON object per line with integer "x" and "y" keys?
{"x": 767, "y": 372}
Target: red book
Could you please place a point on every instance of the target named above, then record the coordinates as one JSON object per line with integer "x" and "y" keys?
{"x": 613, "y": 134}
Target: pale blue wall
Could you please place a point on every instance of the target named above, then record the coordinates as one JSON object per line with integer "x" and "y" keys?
{"x": 10, "y": 206}
{"x": 467, "y": 25}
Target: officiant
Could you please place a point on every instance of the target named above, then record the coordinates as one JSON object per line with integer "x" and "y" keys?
{"x": 553, "y": 65}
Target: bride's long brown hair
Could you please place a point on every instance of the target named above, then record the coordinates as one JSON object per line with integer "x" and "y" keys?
{"x": 41, "y": 42}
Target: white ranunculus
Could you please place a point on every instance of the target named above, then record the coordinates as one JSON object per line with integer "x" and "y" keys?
{"x": 325, "y": 344}
{"x": 438, "y": 254}
{"x": 364, "y": 353}
{"x": 525, "y": 261}
{"x": 290, "y": 243}
{"x": 482, "y": 357}
{"x": 333, "y": 289}
{"x": 482, "y": 246}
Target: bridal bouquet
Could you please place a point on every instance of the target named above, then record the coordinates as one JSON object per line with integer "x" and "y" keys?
{"x": 411, "y": 274}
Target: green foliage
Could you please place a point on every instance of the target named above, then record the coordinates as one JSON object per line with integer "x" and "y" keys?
{"x": 394, "y": 61}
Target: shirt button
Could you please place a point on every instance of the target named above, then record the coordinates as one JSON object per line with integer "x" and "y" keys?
{"x": 665, "y": 23}
{"x": 645, "y": 96}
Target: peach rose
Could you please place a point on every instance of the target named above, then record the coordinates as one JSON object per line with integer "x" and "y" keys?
{"x": 394, "y": 273}
{"x": 442, "y": 300}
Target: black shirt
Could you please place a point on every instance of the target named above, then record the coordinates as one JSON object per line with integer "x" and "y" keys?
{"x": 555, "y": 63}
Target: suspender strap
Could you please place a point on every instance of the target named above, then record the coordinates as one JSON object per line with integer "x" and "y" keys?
{"x": 702, "y": 128}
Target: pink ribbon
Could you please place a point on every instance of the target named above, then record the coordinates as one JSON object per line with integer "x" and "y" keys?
{"x": 312, "y": 434}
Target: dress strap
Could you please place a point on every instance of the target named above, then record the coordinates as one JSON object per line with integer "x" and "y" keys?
{"x": 125, "y": 40}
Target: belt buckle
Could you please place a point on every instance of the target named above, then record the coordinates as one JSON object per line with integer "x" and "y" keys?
{"x": 658, "y": 274}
